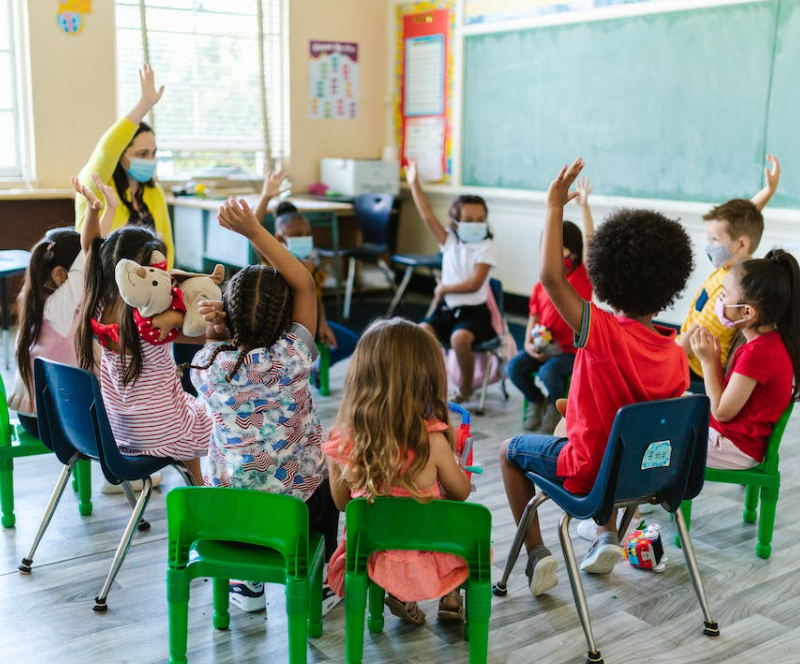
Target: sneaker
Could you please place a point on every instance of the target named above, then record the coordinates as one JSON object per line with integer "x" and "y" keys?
{"x": 248, "y": 596}
{"x": 602, "y": 555}
{"x": 330, "y": 599}
{"x": 541, "y": 570}
{"x": 647, "y": 508}
{"x": 533, "y": 418}
{"x": 136, "y": 485}
{"x": 457, "y": 397}
{"x": 587, "y": 529}
{"x": 551, "y": 418}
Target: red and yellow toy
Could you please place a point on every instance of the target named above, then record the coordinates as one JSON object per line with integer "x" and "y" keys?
{"x": 643, "y": 549}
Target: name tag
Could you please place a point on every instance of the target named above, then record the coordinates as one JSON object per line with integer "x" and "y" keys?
{"x": 657, "y": 455}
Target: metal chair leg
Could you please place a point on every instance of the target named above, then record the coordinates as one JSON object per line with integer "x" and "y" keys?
{"x": 387, "y": 273}
{"x": 485, "y": 388}
{"x": 401, "y": 290}
{"x": 593, "y": 655}
{"x": 127, "y": 489}
{"x": 58, "y": 491}
{"x": 501, "y": 587}
{"x": 188, "y": 480}
{"x": 348, "y": 293}
{"x": 711, "y": 628}
{"x": 124, "y": 544}
{"x": 627, "y": 516}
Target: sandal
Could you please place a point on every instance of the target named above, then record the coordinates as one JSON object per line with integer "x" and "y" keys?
{"x": 447, "y": 614}
{"x": 408, "y": 611}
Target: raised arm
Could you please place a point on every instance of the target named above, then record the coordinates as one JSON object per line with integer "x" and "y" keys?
{"x": 584, "y": 187}
{"x": 238, "y": 217}
{"x": 111, "y": 200}
{"x": 772, "y": 176}
{"x": 566, "y": 300}
{"x": 149, "y": 97}
{"x": 90, "y": 228}
{"x": 271, "y": 188}
{"x": 421, "y": 202}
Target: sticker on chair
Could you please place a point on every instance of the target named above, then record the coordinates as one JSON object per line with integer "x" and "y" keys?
{"x": 657, "y": 455}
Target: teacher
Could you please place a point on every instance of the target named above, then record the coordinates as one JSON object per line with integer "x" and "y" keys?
{"x": 126, "y": 158}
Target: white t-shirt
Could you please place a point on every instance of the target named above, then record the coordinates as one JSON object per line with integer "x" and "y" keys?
{"x": 459, "y": 260}
{"x": 61, "y": 307}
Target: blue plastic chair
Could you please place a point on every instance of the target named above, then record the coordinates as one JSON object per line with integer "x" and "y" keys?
{"x": 433, "y": 262}
{"x": 73, "y": 423}
{"x": 376, "y": 217}
{"x": 656, "y": 454}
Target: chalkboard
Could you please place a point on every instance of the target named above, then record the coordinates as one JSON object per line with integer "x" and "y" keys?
{"x": 666, "y": 106}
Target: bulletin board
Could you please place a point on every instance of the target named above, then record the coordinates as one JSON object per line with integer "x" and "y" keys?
{"x": 424, "y": 81}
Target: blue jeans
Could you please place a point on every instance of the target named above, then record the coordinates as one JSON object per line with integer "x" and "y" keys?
{"x": 533, "y": 453}
{"x": 346, "y": 341}
{"x": 554, "y": 373}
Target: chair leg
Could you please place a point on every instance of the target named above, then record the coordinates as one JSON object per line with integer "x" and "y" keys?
{"x": 7, "y": 493}
{"x": 627, "y": 516}
{"x": 315, "y": 603}
{"x": 127, "y": 489}
{"x": 388, "y": 275}
{"x": 355, "y": 606}
{"x": 485, "y": 387}
{"x": 766, "y": 521}
{"x": 178, "y": 612}
{"x": 751, "y": 494}
{"x": 324, "y": 370}
{"x": 686, "y": 510}
{"x": 375, "y": 595}
{"x": 593, "y": 655}
{"x": 711, "y": 628}
{"x": 401, "y": 290}
{"x": 348, "y": 293}
{"x": 83, "y": 474}
{"x": 124, "y": 544}
{"x": 188, "y": 480}
{"x": 297, "y": 615}
{"x": 61, "y": 484}
{"x": 222, "y": 617}
{"x": 501, "y": 587}
{"x": 476, "y": 631}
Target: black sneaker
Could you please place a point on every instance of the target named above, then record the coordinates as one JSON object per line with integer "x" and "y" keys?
{"x": 330, "y": 599}
{"x": 248, "y": 596}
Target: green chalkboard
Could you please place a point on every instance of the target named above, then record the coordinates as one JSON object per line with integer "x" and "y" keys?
{"x": 667, "y": 106}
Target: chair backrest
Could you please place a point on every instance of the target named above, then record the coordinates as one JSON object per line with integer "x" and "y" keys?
{"x": 5, "y": 424}
{"x": 237, "y": 515}
{"x": 656, "y": 448}
{"x": 376, "y": 216}
{"x": 448, "y": 526}
{"x": 771, "y": 457}
{"x": 497, "y": 290}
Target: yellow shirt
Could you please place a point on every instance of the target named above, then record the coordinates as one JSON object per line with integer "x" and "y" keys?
{"x": 103, "y": 161}
{"x": 702, "y": 312}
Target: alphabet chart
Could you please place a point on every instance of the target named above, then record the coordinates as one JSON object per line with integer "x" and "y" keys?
{"x": 333, "y": 80}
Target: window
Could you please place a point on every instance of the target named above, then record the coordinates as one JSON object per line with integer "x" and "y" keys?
{"x": 14, "y": 163}
{"x": 206, "y": 53}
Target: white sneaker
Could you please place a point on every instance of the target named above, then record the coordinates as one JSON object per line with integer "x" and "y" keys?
{"x": 136, "y": 485}
{"x": 330, "y": 599}
{"x": 602, "y": 555}
{"x": 248, "y": 596}
{"x": 587, "y": 529}
{"x": 541, "y": 571}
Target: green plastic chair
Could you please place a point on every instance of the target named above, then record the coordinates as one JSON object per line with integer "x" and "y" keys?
{"x": 16, "y": 442}
{"x": 226, "y": 533}
{"x": 324, "y": 376}
{"x": 463, "y": 529}
{"x": 766, "y": 476}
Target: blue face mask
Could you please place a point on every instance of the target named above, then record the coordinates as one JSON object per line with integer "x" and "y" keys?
{"x": 141, "y": 170}
{"x": 472, "y": 231}
{"x": 300, "y": 247}
{"x": 718, "y": 254}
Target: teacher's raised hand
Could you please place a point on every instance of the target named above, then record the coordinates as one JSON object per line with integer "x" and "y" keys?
{"x": 149, "y": 97}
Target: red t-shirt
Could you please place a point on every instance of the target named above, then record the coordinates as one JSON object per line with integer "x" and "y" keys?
{"x": 766, "y": 360}
{"x": 619, "y": 362}
{"x": 548, "y": 315}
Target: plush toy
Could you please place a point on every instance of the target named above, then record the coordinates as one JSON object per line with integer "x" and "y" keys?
{"x": 150, "y": 290}
{"x": 543, "y": 341}
{"x": 643, "y": 549}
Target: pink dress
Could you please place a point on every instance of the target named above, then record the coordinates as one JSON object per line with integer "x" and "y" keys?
{"x": 410, "y": 576}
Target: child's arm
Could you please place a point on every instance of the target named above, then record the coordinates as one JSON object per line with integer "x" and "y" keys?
{"x": 725, "y": 403}
{"x": 772, "y": 176}
{"x": 90, "y": 230}
{"x": 472, "y": 284}
{"x": 326, "y": 335}
{"x": 111, "y": 204}
{"x": 584, "y": 187}
{"x": 454, "y": 481}
{"x": 271, "y": 188}
{"x": 563, "y": 296}
{"x": 530, "y": 349}
{"x": 685, "y": 340}
{"x": 238, "y": 217}
{"x": 422, "y": 205}
{"x": 339, "y": 489}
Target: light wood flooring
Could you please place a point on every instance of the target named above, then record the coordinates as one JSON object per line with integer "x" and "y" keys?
{"x": 637, "y": 616}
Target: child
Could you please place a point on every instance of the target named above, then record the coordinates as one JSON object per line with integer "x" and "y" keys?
{"x": 639, "y": 262}
{"x": 733, "y": 230}
{"x": 553, "y": 361}
{"x": 266, "y": 435}
{"x": 49, "y": 300}
{"x": 761, "y": 299}
{"x": 468, "y": 254}
{"x": 392, "y": 438}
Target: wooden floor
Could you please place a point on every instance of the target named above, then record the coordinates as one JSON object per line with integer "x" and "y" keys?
{"x": 637, "y": 616}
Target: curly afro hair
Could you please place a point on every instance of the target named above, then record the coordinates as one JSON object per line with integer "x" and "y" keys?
{"x": 639, "y": 261}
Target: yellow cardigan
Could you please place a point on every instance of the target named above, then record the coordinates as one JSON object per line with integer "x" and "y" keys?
{"x": 103, "y": 161}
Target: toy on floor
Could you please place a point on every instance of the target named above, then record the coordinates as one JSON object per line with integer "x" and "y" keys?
{"x": 464, "y": 441}
{"x": 643, "y": 549}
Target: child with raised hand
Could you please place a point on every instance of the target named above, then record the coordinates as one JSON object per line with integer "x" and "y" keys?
{"x": 392, "y": 438}
{"x": 255, "y": 385}
{"x": 761, "y": 299}
{"x": 622, "y": 358}
{"x": 553, "y": 360}
{"x": 733, "y": 230}
{"x": 462, "y": 316}
{"x": 49, "y": 300}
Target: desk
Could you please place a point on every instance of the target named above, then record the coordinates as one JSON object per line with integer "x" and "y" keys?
{"x": 200, "y": 241}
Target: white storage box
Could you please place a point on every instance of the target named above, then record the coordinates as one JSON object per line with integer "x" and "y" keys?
{"x": 351, "y": 177}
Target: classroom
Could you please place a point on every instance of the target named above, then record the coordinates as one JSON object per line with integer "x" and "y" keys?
{"x": 316, "y": 312}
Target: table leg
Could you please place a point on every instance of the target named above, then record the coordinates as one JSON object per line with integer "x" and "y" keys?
{"x": 337, "y": 266}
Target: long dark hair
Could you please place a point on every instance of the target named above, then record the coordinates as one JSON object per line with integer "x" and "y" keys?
{"x": 100, "y": 290}
{"x": 258, "y": 310}
{"x": 772, "y": 284}
{"x": 58, "y": 248}
{"x": 120, "y": 177}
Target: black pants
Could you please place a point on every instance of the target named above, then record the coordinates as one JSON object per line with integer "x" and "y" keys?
{"x": 30, "y": 424}
{"x": 323, "y": 517}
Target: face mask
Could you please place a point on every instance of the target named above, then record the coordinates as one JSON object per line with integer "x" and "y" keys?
{"x": 718, "y": 254}
{"x": 141, "y": 170}
{"x": 472, "y": 231}
{"x": 300, "y": 247}
{"x": 719, "y": 309}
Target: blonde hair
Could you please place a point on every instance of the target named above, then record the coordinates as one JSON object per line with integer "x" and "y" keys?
{"x": 395, "y": 382}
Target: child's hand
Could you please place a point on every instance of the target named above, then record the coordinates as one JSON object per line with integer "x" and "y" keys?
{"x": 558, "y": 195}
{"x": 531, "y": 350}
{"x": 273, "y": 182}
{"x": 773, "y": 175}
{"x": 213, "y": 314}
{"x": 92, "y": 201}
{"x": 326, "y": 335}
{"x": 705, "y": 346}
{"x": 238, "y": 217}
{"x": 685, "y": 341}
{"x": 109, "y": 193}
{"x": 147, "y": 79}
{"x": 584, "y": 187}
{"x": 167, "y": 321}
{"x": 412, "y": 175}
{"x": 439, "y": 291}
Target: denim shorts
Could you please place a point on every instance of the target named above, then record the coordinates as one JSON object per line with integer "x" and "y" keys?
{"x": 536, "y": 453}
